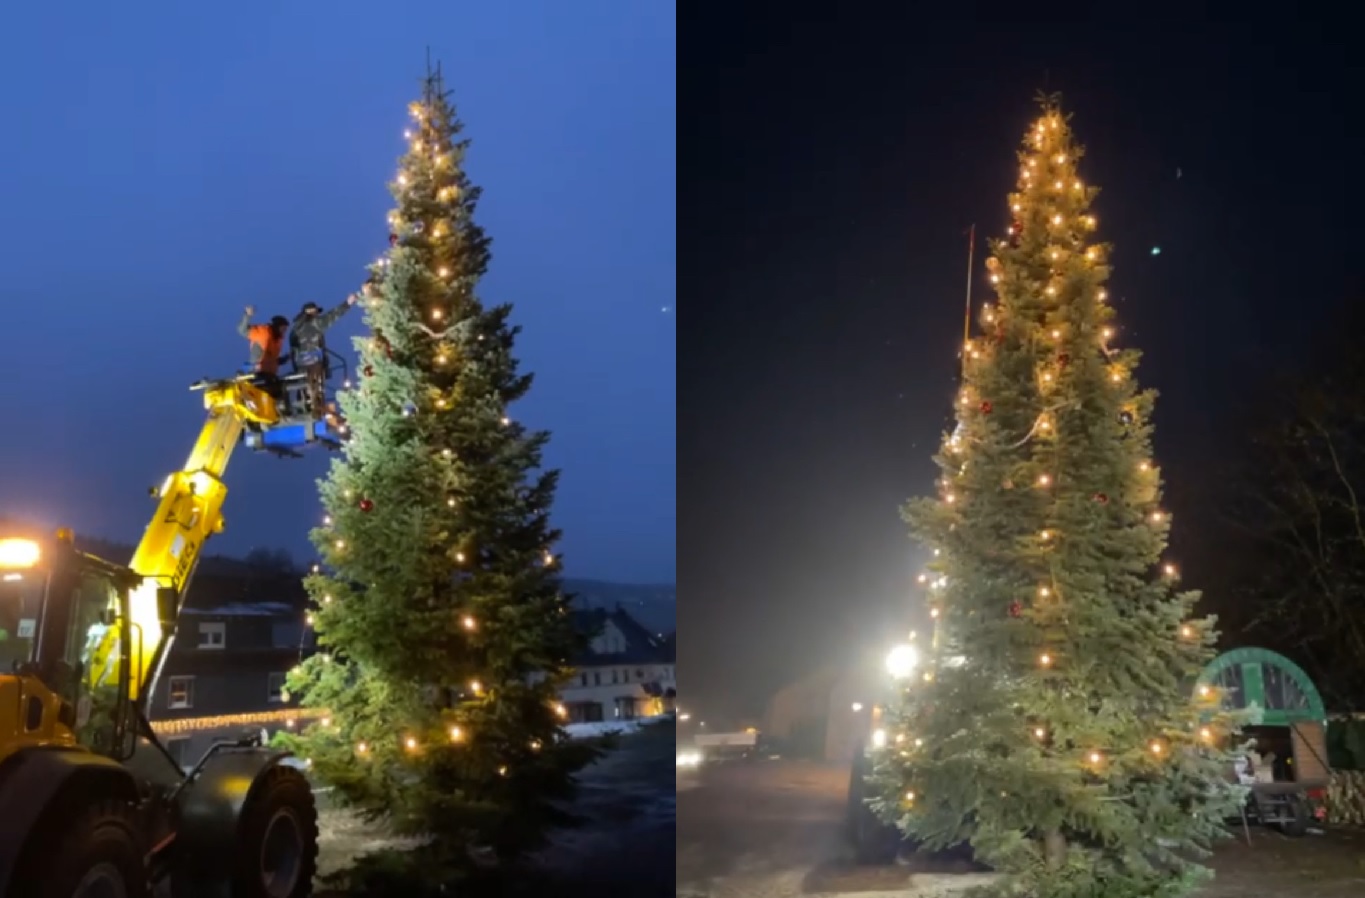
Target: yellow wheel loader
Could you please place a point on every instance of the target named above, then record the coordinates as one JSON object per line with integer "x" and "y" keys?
{"x": 93, "y": 806}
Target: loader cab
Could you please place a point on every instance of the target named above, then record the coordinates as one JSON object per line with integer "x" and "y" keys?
{"x": 64, "y": 631}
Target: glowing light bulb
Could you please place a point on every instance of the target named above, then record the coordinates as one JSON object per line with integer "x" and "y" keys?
{"x": 995, "y": 279}
{"x": 326, "y": 721}
{"x": 909, "y": 796}
{"x": 919, "y": 743}
{"x": 1186, "y": 631}
{"x": 1015, "y": 207}
{"x": 327, "y": 599}
{"x": 950, "y": 498}
{"x": 502, "y": 771}
{"x": 1039, "y": 733}
{"x": 506, "y": 420}
{"x": 451, "y": 501}
{"x": 928, "y": 676}
{"x": 1168, "y": 570}
{"x": 561, "y": 710}
{"x": 468, "y": 622}
{"x": 1044, "y": 480}
{"x": 1095, "y": 757}
{"x": 1116, "y": 376}
{"x": 933, "y": 612}
{"x": 1045, "y": 659}
{"x": 1107, "y": 333}
{"x": 1103, "y": 295}
{"x": 1056, "y": 334}
{"x": 1144, "y": 466}
{"x": 1044, "y": 591}
{"x": 1077, "y": 185}
{"x": 361, "y": 748}
{"x": 444, "y": 272}
{"x": 455, "y": 734}
{"x": 922, "y": 578}
{"x": 1090, "y": 253}
{"x": 402, "y": 179}
{"x": 1051, "y": 290}
{"x": 411, "y": 743}
{"x": 308, "y": 619}
{"x": 475, "y": 686}
{"x": 1156, "y": 517}
{"x": 1206, "y": 734}
{"x": 1058, "y": 185}
{"x": 459, "y": 556}
{"x": 447, "y": 453}
{"x": 1044, "y": 424}
{"x": 1205, "y": 690}
{"x": 1156, "y": 748}
{"x": 436, "y": 314}
{"x": 1033, "y": 163}
{"x": 326, "y": 520}
{"x": 340, "y": 544}
{"x": 441, "y": 359}
{"x": 289, "y": 724}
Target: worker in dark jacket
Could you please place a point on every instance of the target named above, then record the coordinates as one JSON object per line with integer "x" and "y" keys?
{"x": 308, "y": 347}
{"x": 267, "y": 343}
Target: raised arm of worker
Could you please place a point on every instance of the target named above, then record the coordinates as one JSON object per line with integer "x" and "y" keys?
{"x": 332, "y": 316}
{"x": 244, "y": 326}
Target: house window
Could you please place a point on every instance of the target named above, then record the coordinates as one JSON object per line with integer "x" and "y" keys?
{"x": 583, "y": 679}
{"x": 615, "y": 677}
{"x": 180, "y": 693}
{"x": 597, "y": 678}
{"x": 639, "y": 674}
{"x": 274, "y": 690}
{"x": 212, "y": 635}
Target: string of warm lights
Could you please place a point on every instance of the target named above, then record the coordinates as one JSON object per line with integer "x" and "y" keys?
{"x": 1046, "y": 177}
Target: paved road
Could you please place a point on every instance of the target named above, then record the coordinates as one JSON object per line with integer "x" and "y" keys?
{"x": 775, "y": 829}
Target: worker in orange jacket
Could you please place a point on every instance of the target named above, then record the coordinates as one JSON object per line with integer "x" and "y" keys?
{"x": 267, "y": 344}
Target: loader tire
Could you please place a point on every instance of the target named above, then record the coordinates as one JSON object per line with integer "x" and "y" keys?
{"x": 278, "y": 854}
{"x": 97, "y": 856}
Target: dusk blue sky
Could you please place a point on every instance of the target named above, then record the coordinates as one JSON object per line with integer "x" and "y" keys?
{"x": 165, "y": 164}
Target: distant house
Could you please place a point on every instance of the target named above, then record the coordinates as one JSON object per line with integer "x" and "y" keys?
{"x": 224, "y": 674}
{"x": 625, "y": 673}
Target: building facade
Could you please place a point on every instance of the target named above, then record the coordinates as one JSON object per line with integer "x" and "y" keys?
{"x": 624, "y": 674}
{"x": 224, "y": 675}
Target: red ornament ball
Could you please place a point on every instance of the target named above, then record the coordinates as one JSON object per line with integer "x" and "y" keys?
{"x": 369, "y": 370}
{"x": 1016, "y": 609}
{"x": 986, "y": 406}
{"x": 1100, "y": 498}
{"x": 366, "y": 504}
{"x": 393, "y": 238}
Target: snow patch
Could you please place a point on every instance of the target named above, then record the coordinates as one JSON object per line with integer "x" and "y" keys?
{"x": 602, "y": 728}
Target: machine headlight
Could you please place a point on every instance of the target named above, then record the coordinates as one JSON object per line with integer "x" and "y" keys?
{"x": 19, "y": 553}
{"x": 879, "y": 738}
{"x": 689, "y": 758}
{"x": 902, "y": 661}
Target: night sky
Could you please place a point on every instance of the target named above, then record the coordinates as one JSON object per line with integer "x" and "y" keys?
{"x": 829, "y": 172}
{"x": 167, "y": 163}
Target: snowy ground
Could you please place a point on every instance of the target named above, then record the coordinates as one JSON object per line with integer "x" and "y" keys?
{"x": 773, "y": 829}
{"x": 625, "y": 849}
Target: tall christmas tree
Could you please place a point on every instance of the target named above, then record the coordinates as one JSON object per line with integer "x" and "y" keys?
{"x": 442, "y": 631}
{"x": 1057, "y": 725}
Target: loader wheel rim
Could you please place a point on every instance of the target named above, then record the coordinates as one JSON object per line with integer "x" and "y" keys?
{"x": 281, "y": 854}
{"x": 101, "y": 881}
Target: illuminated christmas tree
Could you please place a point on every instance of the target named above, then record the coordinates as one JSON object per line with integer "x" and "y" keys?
{"x": 1056, "y": 725}
{"x": 442, "y": 629}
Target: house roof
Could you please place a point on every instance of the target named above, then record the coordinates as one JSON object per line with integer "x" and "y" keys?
{"x": 641, "y": 646}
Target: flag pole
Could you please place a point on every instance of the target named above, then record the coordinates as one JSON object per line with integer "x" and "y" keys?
{"x": 967, "y": 314}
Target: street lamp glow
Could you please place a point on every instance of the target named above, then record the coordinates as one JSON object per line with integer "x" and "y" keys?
{"x": 902, "y": 661}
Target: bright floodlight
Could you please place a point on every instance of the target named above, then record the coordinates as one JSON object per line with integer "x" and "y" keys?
{"x": 902, "y": 661}
{"x": 19, "y": 553}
